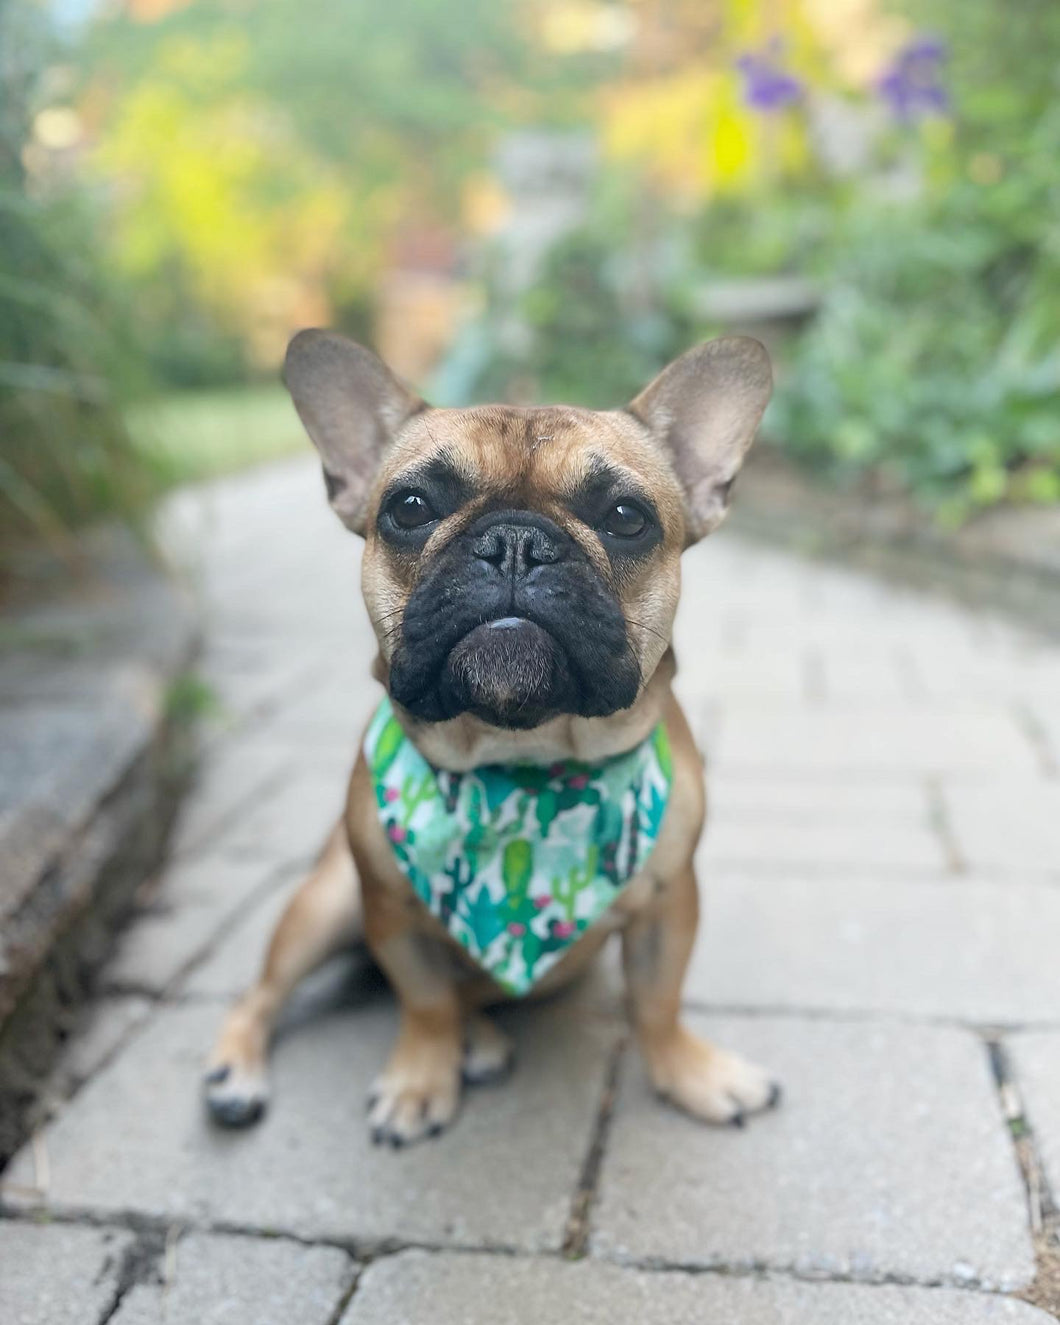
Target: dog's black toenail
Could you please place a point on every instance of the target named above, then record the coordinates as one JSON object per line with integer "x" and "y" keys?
{"x": 776, "y": 1094}
{"x": 435, "y": 1129}
{"x": 396, "y": 1142}
{"x": 378, "y": 1136}
{"x": 216, "y": 1075}
{"x": 738, "y": 1120}
{"x": 235, "y": 1112}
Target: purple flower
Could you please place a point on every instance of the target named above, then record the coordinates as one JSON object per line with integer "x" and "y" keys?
{"x": 767, "y": 86}
{"x": 911, "y": 85}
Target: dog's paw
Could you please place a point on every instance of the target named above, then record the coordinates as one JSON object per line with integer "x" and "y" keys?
{"x": 235, "y": 1095}
{"x": 406, "y": 1106}
{"x": 712, "y": 1084}
{"x": 488, "y": 1053}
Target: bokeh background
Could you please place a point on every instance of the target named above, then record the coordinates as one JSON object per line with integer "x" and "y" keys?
{"x": 527, "y": 200}
{"x": 533, "y": 200}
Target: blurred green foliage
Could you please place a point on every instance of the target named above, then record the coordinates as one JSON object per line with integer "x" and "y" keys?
{"x": 585, "y": 338}
{"x": 270, "y": 165}
{"x": 933, "y": 363}
{"x": 65, "y": 374}
{"x": 189, "y": 435}
{"x": 935, "y": 359}
{"x": 244, "y": 170}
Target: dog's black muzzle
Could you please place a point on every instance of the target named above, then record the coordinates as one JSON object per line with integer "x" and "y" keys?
{"x": 512, "y": 622}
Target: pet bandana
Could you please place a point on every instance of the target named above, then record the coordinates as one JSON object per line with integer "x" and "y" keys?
{"x": 517, "y": 861}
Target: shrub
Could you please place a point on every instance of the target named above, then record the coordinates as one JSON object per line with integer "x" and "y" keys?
{"x": 65, "y": 454}
{"x": 936, "y": 356}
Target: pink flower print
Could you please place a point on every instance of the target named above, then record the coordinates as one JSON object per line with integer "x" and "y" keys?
{"x": 542, "y": 902}
{"x": 580, "y": 781}
{"x": 563, "y": 929}
{"x": 396, "y": 833}
{"x": 391, "y": 795}
{"x": 555, "y": 770}
{"x": 516, "y": 930}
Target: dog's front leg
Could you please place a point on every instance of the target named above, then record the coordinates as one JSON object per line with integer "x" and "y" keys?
{"x": 708, "y": 1082}
{"x": 419, "y": 1089}
{"x": 323, "y": 915}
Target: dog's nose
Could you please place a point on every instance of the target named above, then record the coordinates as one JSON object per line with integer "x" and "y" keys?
{"x": 515, "y": 548}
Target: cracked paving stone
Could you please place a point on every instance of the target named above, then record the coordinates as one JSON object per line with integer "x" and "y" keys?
{"x": 136, "y": 1137}
{"x": 53, "y": 1274}
{"x": 229, "y": 1280}
{"x": 1036, "y": 1058}
{"x": 236, "y": 962}
{"x": 193, "y": 901}
{"x": 290, "y": 824}
{"x": 887, "y": 1158}
{"x": 105, "y": 1024}
{"x": 418, "y": 1286}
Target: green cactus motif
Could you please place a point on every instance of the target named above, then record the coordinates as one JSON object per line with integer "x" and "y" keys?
{"x": 546, "y": 809}
{"x": 486, "y": 925}
{"x": 496, "y": 787}
{"x": 414, "y": 794}
{"x": 566, "y": 891}
{"x": 607, "y": 823}
{"x": 530, "y": 778}
{"x": 660, "y": 741}
{"x": 569, "y": 797}
{"x": 530, "y": 944}
{"x": 653, "y": 812}
{"x": 481, "y": 840}
{"x": 517, "y": 861}
{"x": 518, "y": 866}
{"x": 387, "y": 748}
{"x": 460, "y": 875}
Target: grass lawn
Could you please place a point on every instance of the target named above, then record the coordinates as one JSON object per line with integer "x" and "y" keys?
{"x": 190, "y": 435}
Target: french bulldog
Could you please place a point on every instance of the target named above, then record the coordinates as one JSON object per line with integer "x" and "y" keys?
{"x": 530, "y": 784}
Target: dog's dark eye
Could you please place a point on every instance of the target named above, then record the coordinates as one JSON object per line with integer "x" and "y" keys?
{"x": 409, "y": 510}
{"x": 624, "y": 521}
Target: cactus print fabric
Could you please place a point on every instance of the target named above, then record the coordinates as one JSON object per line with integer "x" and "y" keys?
{"x": 517, "y": 861}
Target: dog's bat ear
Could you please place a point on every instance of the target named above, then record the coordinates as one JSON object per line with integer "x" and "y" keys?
{"x": 352, "y": 405}
{"x": 705, "y": 408}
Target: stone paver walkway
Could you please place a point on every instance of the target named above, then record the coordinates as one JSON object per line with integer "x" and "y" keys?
{"x": 882, "y": 882}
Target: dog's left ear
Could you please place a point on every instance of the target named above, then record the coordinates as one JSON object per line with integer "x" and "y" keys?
{"x": 352, "y": 406}
{"x": 705, "y": 408}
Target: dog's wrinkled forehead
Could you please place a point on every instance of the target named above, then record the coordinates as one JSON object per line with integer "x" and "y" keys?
{"x": 539, "y": 458}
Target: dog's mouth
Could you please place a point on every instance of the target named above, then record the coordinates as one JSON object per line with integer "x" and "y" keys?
{"x": 513, "y": 645}
{"x": 511, "y": 672}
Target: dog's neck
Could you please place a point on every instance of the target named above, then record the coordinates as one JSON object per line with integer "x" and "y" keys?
{"x": 467, "y": 742}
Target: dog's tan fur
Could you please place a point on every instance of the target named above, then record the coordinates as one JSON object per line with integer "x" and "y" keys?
{"x": 530, "y": 458}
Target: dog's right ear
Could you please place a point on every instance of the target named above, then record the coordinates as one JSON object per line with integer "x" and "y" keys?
{"x": 352, "y": 406}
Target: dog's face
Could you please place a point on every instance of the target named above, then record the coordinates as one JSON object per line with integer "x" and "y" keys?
{"x": 524, "y": 563}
